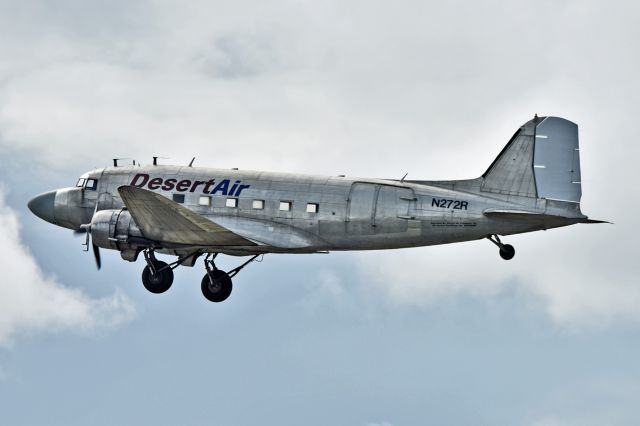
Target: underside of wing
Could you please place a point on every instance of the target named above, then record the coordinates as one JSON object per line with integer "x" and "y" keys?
{"x": 165, "y": 221}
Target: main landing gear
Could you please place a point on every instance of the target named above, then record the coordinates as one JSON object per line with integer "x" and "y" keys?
{"x": 157, "y": 276}
{"x": 506, "y": 250}
{"x": 216, "y": 284}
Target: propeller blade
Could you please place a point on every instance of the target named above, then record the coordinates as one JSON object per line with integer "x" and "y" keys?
{"x": 86, "y": 229}
{"x": 96, "y": 255}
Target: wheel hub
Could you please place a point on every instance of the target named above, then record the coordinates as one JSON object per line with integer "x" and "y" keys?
{"x": 214, "y": 285}
{"x": 156, "y": 278}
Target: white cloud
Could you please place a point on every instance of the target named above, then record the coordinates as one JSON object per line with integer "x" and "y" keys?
{"x": 566, "y": 272}
{"x": 241, "y": 86}
{"x": 326, "y": 290}
{"x": 31, "y": 302}
{"x": 335, "y": 91}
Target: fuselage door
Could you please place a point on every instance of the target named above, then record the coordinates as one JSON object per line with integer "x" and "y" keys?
{"x": 395, "y": 202}
{"x": 374, "y": 208}
{"x": 394, "y": 207}
{"x": 360, "y": 208}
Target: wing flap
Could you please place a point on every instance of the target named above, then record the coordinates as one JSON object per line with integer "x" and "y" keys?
{"x": 164, "y": 220}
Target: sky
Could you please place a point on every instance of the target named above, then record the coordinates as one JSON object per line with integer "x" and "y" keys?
{"x": 444, "y": 335}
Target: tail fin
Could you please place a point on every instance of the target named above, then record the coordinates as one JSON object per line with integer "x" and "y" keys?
{"x": 542, "y": 160}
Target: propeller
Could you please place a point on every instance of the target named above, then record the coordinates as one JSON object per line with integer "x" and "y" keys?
{"x": 96, "y": 256}
{"x": 86, "y": 229}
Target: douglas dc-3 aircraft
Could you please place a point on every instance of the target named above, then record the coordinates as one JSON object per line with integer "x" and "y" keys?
{"x": 188, "y": 212}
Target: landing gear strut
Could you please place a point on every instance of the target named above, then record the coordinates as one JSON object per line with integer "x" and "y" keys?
{"x": 506, "y": 250}
{"x": 157, "y": 276}
{"x": 216, "y": 284}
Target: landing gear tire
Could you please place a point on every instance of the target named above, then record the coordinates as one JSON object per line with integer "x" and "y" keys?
{"x": 216, "y": 288}
{"x": 160, "y": 281}
{"x": 507, "y": 252}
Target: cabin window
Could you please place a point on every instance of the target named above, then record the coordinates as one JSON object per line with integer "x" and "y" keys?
{"x": 178, "y": 198}
{"x": 232, "y": 202}
{"x": 91, "y": 184}
{"x": 204, "y": 200}
{"x": 285, "y": 206}
{"x": 312, "y": 207}
{"x": 258, "y": 204}
{"x": 80, "y": 182}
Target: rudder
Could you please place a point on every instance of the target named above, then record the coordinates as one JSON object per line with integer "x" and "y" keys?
{"x": 556, "y": 161}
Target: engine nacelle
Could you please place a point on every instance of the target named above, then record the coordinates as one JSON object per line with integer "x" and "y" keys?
{"x": 116, "y": 230}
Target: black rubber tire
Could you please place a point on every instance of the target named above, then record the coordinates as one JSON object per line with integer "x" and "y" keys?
{"x": 507, "y": 252}
{"x": 160, "y": 282}
{"x": 220, "y": 289}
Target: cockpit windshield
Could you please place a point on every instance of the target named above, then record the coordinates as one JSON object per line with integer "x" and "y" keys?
{"x": 90, "y": 184}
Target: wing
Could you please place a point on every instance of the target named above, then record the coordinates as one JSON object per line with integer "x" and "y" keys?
{"x": 165, "y": 221}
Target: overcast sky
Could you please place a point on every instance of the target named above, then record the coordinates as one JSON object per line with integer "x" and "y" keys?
{"x": 440, "y": 335}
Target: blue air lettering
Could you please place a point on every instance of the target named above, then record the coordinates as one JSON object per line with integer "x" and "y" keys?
{"x": 223, "y": 187}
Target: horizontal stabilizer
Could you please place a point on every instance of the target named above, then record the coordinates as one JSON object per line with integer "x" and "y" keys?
{"x": 163, "y": 220}
{"x": 594, "y": 221}
{"x": 510, "y": 211}
{"x": 515, "y": 214}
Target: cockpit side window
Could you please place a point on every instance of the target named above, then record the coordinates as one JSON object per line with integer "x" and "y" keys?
{"x": 80, "y": 182}
{"x": 92, "y": 184}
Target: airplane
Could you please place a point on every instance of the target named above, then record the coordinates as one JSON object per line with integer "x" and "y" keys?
{"x": 188, "y": 212}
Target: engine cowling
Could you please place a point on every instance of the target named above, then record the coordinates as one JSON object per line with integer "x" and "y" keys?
{"x": 116, "y": 230}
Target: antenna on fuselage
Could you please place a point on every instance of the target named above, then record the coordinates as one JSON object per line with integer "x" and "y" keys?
{"x": 405, "y": 175}
{"x": 155, "y": 160}
{"x": 192, "y": 160}
{"x": 115, "y": 161}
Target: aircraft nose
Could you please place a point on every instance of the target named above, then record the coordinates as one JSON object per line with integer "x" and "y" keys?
{"x": 43, "y": 206}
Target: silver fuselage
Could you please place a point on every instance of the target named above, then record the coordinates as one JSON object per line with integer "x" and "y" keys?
{"x": 352, "y": 213}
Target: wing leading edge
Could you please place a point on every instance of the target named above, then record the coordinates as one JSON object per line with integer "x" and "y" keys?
{"x": 165, "y": 221}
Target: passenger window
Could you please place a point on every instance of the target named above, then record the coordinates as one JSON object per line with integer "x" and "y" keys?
{"x": 258, "y": 204}
{"x": 204, "y": 200}
{"x": 285, "y": 206}
{"x": 80, "y": 182}
{"x": 232, "y": 202}
{"x": 312, "y": 207}
{"x": 92, "y": 184}
{"x": 178, "y": 198}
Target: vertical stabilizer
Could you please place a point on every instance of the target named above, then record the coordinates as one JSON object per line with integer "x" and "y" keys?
{"x": 542, "y": 160}
{"x": 511, "y": 173}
